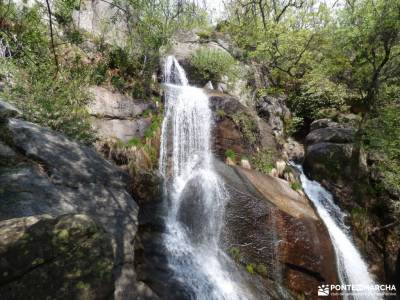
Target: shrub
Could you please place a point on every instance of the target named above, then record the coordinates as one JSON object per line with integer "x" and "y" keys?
{"x": 57, "y": 102}
{"x": 250, "y": 268}
{"x": 292, "y": 125}
{"x": 295, "y": 185}
{"x": 229, "y": 153}
{"x": 315, "y": 94}
{"x": 263, "y": 161}
{"x": 261, "y": 269}
{"x": 212, "y": 64}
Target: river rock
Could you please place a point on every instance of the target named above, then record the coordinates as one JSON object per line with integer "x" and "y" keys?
{"x": 323, "y": 123}
{"x": 54, "y": 175}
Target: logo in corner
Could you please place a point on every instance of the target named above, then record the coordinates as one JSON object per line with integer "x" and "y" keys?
{"x": 323, "y": 290}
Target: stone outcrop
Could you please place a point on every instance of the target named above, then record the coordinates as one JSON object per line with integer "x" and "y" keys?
{"x": 275, "y": 228}
{"x": 115, "y": 115}
{"x": 46, "y": 173}
{"x": 237, "y": 127}
{"x": 274, "y": 111}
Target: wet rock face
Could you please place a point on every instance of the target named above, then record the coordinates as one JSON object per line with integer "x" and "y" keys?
{"x": 65, "y": 257}
{"x": 48, "y": 173}
{"x": 276, "y": 230}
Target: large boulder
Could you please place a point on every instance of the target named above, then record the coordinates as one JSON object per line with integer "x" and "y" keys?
{"x": 328, "y": 160}
{"x": 42, "y": 257}
{"x": 330, "y": 135}
{"x": 329, "y": 151}
{"x": 50, "y": 174}
{"x": 275, "y": 230}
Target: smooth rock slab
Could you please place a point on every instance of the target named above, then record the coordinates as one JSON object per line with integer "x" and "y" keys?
{"x": 109, "y": 104}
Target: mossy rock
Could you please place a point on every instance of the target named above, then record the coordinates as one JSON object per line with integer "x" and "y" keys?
{"x": 68, "y": 257}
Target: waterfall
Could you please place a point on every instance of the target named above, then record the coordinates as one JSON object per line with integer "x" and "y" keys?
{"x": 195, "y": 193}
{"x": 351, "y": 267}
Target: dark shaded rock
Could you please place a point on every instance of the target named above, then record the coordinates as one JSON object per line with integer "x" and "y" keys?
{"x": 146, "y": 186}
{"x": 328, "y": 160}
{"x": 330, "y": 135}
{"x": 8, "y": 111}
{"x": 6, "y": 152}
{"x": 58, "y": 176}
{"x": 323, "y": 123}
{"x": 270, "y": 225}
{"x": 67, "y": 161}
{"x": 65, "y": 257}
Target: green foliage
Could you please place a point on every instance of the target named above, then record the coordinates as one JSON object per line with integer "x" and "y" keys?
{"x": 295, "y": 185}
{"x": 133, "y": 142}
{"x": 263, "y": 161}
{"x": 59, "y": 103}
{"x": 211, "y": 64}
{"x": 229, "y": 153}
{"x": 292, "y": 125}
{"x": 63, "y": 10}
{"x": 382, "y": 138}
{"x": 235, "y": 253}
{"x": 261, "y": 269}
{"x": 250, "y": 268}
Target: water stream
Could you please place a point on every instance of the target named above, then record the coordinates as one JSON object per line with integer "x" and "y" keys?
{"x": 196, "y": 195}
{"x": 352, "y": 269}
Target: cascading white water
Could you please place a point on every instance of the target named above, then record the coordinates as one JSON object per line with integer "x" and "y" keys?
{"x": 191, "y": 184}
{"x": 351, "y": 267}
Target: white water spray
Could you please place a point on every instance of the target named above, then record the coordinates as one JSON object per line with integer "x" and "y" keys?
{"x": 351, "y": 267}
{"x": 186, "y": 160}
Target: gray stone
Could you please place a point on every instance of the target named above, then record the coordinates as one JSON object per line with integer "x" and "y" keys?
{"x": 8, "y": 111}
{"x": 323, "y": 123}
{"x": 121, "y": 129}
{"x": 107, "y": 104}
{"x": 6, "y": 152}
{"x": 274, "y": 111}
{"x": 330, "y": 135}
